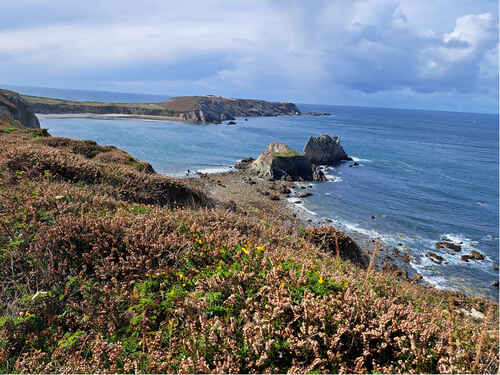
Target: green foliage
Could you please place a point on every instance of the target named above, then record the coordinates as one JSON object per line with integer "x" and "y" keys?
{"x": 290, "y": 154}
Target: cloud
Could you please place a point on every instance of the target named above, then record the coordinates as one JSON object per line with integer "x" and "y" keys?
{"x": 271, "y": 49}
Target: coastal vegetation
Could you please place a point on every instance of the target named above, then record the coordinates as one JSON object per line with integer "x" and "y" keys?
{"x": 106, "y": 266}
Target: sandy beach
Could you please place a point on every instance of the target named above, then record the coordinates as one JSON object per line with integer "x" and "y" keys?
{"x": 108, "y": 116}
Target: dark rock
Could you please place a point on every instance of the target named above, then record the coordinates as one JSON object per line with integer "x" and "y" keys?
{"x": 318, "y": 175}
{"x": 317, "y": 113}
{"x": 494, "y": 283}
{"x": 435, "y": 258}
{"x": 15, "y": 110}
{"x": 303, "y": 195}
{"x": 355, "y": 164}
{"x": 246, "y": 119}
{"x": 274, "y": 198}
{"x": 448, "y": 245}
{"x": 473, "y": 255}
{"x": 477, "y": 255}
{"x": 244, "y": 163}
{"x": 373, "y": 217}
{"x": 324, "y": 150}
{"x": 231, "y": 123}
{"x": 284, "y": 190}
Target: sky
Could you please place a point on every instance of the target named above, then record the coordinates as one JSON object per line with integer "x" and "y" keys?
{"x": 418, "y": 54}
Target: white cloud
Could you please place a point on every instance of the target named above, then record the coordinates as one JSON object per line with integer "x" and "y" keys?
{"x": 262, "y": 47}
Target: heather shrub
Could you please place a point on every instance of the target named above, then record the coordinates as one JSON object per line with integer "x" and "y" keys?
{"x": 87, "y": 148}
{"x": 100, "y": 273}
{"x": 122, "y": 182}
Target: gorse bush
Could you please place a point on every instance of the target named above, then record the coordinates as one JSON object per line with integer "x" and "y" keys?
{"x": 101, "y": 276}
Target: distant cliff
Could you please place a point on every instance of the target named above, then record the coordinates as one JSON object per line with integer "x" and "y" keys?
{"x": 15, "y": 111}
{"x": 196, "y": 109}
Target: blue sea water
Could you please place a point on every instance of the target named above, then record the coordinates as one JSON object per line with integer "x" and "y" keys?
{"x": 423, "y": 175}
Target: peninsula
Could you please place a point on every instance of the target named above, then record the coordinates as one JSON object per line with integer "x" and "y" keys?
{"x": 195, "y": 109}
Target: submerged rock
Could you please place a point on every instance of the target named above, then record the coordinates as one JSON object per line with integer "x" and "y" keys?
{"x": 435, "y": 258}
{"x": 448, "y": 245}
{"x": 473, "y": 255}
{"x": 324, "y": 150}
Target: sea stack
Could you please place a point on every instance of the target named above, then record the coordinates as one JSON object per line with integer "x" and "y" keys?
{"x": 281, "y": 161}
{"x": 324, "y": 150}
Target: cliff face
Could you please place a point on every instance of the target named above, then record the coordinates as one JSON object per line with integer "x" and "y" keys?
{"x": 16, "y": 111}
{"x": 195, "y": 109}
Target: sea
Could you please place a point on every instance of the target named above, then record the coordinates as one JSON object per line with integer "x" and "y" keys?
{"x": 423, "y": 176}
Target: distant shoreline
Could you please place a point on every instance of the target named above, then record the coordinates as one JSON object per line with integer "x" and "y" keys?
{"x": 109, "y": 116}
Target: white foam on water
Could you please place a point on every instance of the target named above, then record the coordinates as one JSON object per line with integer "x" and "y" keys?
{"x": 213, "y": 170}
{"x": 332, "y": 178}
{"x": 459, "y": 239}
{"x": 300, "y": 205}
{"x": 439, "y": 282}
{"x": 354, "y": 158}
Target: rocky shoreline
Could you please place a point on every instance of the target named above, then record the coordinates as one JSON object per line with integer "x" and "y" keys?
{"x": 255, "y": 196}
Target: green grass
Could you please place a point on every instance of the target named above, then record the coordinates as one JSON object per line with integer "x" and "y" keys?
{"x": 290, "y": 154}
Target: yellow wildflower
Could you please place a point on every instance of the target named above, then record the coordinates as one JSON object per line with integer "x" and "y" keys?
{"x": 282, "y": 284}
{"x": 180, "y": 275}
{"x": 320, "y": 280}
{"x": 244, "y": 250}
{"x": 200, "y": 242}
{"x": 184, "y": 284}
{"x": 260, "y": 248}
{"x": 27, "y": 313}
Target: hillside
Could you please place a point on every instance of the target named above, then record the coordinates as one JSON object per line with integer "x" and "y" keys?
{"x": 106, "y": 266}
{"x": 14, "y": 111}
{"x": 195, "y": 109}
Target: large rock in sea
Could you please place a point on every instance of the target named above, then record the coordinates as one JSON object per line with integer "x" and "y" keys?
{"x": 280, "y": 161}
{"x": 324, "y": 150}
{"x": 15, "y": 110}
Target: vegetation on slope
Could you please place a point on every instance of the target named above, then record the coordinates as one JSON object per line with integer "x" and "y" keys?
{"x": 107, "y": 268}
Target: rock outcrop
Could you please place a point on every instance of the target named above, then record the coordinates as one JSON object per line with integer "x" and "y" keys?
{"x": 14, "y": 110}
{"x": 282, "y": 162}
{"x": 324, "y": 150}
